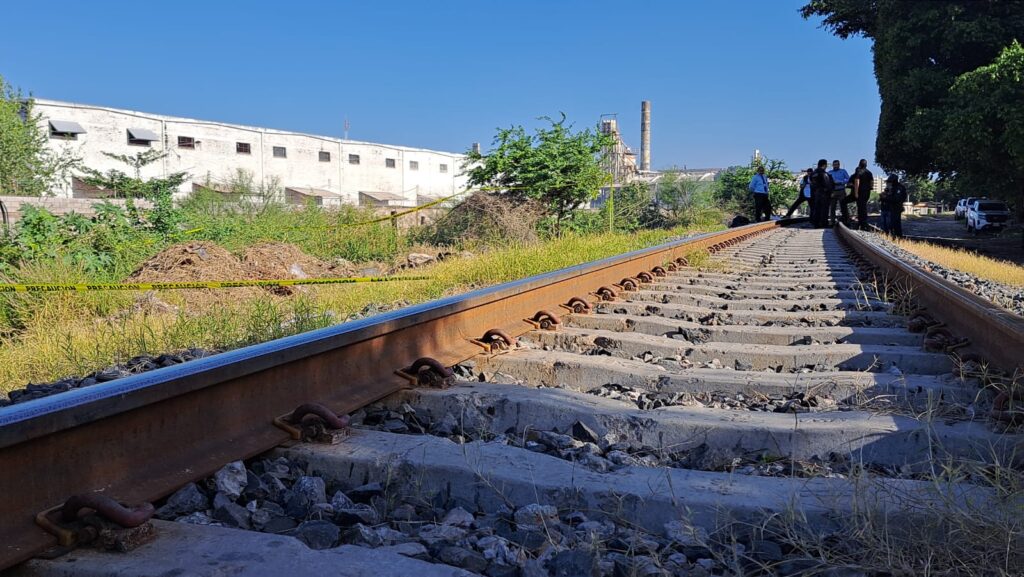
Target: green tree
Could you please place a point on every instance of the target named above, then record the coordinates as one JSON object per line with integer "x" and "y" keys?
{"x": 27, "y": 166}
{"x": 920, "y": 50}
{"x": 731, "y": 190}
{"x": 676, "y": 195}
{"x": 983, "y": 132}
{"x": 920, "y": 189}
{"x": 555, "y": 165}
{"x": 159, "y": 191}
{"x": 634, "y": 207}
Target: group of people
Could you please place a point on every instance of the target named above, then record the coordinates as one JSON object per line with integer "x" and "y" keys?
{"x": 825, "y": 190}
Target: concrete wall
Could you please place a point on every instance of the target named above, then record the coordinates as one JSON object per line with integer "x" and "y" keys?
{"x": 58, "y": 205}
{"x": 215, "y": 158}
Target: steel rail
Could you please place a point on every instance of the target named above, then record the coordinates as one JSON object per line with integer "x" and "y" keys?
{"x": 141, "y": 437}
{"x": 995, "y": 334}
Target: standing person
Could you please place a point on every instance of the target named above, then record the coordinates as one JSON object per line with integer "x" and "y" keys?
{"x": 821, "y": 191}
{"x": 892, "y": 199}
{"x": 805, "y": 192}
{"x": 839, "y": 179}
{"x": 863, "y": 183}
{"x": 759, "y": 187}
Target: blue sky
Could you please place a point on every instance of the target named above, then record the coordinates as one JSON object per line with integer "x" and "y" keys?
{"x": 724, "y": 77}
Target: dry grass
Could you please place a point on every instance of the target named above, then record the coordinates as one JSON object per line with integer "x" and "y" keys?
{"x": 64, "y": 334}
{"x": 981, "y": 266}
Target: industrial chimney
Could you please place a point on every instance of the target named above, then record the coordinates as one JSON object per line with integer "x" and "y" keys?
{"x": 645, "y": 135}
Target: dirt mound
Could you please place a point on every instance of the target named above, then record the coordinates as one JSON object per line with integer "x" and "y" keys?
{"x": 191, "y": 261}
{"x": 277, "y": 260}
{"x": 197, "y": 261}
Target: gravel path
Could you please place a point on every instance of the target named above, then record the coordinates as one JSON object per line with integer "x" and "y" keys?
{"x": 1009, "y": 297}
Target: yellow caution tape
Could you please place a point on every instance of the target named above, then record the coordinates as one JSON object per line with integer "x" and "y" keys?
{"x": 54, "y": 287}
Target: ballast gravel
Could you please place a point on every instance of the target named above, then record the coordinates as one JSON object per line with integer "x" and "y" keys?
{"x": 518, "y": 540}
{"x": 1008, "y": 297}
{"x": 133, "y": 366}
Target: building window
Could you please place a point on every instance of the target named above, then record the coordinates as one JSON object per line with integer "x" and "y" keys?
{"x": 443, "y": 167}
{"x": 65, "y": 129}
{"x": 280, "y": 152}
{"x": 414, "y": 165}
{"x": 141, "y": 136}
{"x": 243, "y": 148}
{"x": 186, "y": 142}
{"x": 389, "y": 162}
{"x": 325, "y": 156}
{"x": 353, "y": 159}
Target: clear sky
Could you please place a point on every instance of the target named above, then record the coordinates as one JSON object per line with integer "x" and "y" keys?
{"x": 724, "y": 76}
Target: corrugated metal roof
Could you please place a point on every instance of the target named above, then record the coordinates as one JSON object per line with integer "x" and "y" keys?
{"x": 66, "y": 126}
{"x": 309, "y": 191}
{"x": 382, "y": 196}
{"x": 143, "y": 134}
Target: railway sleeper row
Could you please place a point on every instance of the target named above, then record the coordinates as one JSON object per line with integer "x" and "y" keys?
{"x": 698, "y": 426}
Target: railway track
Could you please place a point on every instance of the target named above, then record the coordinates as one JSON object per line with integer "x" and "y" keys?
{"x": 633, "y": 416}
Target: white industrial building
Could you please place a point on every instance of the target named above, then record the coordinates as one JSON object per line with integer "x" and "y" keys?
{"x": 321, "y": 169}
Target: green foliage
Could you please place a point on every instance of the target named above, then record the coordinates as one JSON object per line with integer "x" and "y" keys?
{"x": 732, "y": 194}
{"x": 635, "y": 207}
{"x": 920, "y": 189}
{"x": 27, "y": 166}
{"x": 686, "y": 202}
{"x": 556, "y": 166}
{"x": 326, "y": 233}
{"x": 983, "y": 135}
{"x": 108, "y": 246}
{"x": 160, "y": 191}
{"x": 945, "y": 70}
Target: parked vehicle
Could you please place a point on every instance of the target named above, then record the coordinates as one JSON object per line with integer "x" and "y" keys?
{"x": 960, "y": 210}
{"x": 987, "y": 215}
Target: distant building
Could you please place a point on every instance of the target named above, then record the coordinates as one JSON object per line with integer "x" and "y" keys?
{"x": 309, "y": 168}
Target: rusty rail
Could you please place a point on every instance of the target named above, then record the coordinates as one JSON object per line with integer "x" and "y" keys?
{"x": 994, "y": 333}
{"x": 139, "y": 438}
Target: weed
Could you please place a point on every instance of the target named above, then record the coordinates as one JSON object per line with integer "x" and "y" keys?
{"x": 980, "y": 266}
{"x": 60, "y": 334}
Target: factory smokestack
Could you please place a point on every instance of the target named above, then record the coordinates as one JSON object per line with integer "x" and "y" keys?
{"x": 645, "y": 135}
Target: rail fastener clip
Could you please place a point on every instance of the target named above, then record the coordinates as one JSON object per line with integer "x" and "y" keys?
{"x": 321, "y": 426}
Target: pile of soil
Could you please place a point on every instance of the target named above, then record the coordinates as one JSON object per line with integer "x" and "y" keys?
{"x": 197, "y": 261}
{"x": 278, "y": 260}
{"x": 205, "y": 261}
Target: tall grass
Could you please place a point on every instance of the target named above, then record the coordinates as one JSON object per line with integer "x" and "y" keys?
{"x": 73, "y": 334}
{"x": 980, "y": 266}
{"x": 323, "y": 233}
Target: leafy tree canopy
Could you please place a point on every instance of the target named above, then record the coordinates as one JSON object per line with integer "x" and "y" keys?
{"x": 983, "y": 134}
{"x": 27, "y": 166}
{"x": 732, "y": 193}
{"x": 943, "y": 74}
{"x": 557, "y": 166}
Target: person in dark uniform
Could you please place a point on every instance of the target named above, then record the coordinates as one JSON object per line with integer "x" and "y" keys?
{"x": 821, "y": 192}
{"x": 863, "y": 183}
{"x": 892, "y": 199}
